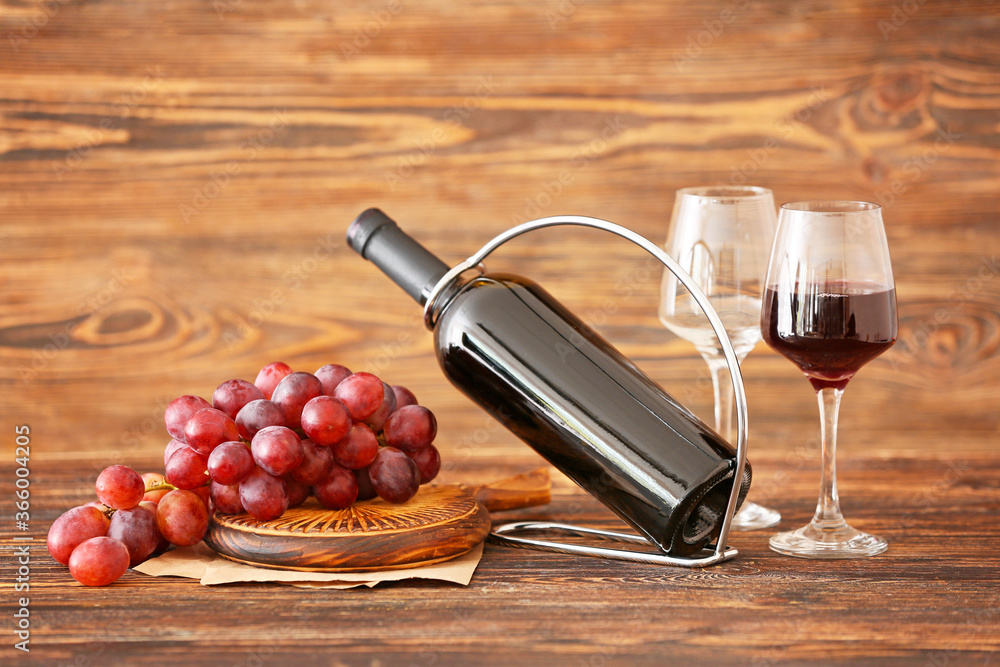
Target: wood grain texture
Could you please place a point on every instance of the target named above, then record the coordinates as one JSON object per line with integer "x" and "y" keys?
{"x": 438, "y": 524}
{"x": 178, "y": 179}
{"x": 931, "y": 599}
{"x": 175, "y": 182}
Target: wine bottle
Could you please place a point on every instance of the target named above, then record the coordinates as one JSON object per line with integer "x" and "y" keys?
{"x": 569, "y": 394}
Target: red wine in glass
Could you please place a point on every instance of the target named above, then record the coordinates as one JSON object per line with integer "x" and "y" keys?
{"x": 829, "y": 308}
{"x": 831, "y": 330}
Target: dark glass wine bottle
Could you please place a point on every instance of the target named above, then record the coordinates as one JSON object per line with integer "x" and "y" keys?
{"x": 558, "y": 385}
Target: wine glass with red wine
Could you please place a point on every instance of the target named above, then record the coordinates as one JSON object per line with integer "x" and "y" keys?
{"x": 829, "y": 307}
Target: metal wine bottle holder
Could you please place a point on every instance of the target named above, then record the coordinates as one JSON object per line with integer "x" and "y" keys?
{"x": 505, "y": 533}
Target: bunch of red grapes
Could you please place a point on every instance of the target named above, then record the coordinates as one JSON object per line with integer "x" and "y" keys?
{"x": 258, "y": 448}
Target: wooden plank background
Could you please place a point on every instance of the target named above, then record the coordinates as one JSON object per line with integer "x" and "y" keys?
{"x": 176, "y": 179}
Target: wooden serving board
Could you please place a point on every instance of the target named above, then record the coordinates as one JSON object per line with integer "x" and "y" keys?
{"x": 438, "y": 524}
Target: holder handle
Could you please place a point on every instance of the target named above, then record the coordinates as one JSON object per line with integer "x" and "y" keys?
{"x": 500, "y": 533}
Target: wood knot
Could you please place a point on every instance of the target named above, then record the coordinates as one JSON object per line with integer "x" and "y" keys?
{"x": 947, "y": 338}
{"x": 902, "y": 91}
{"x": 122, "y": 322}
{"x": 875, "y": 169}
{"x": 894, "y": 101}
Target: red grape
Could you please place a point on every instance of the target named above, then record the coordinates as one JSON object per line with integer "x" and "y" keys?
{"x": 316, "y": 463}
{"x": 205, "y": 494}
{"x": 394, "y": 475}
{"x": 269, "y": 377}
{"x": 182, "y": 518}
{"x": 339, "y": 490}
{"x": 172, "y": 447}
{"x": 161, "y": 542}
{"x": 187, "y": 469}
{"x": 404, "y": 396}
{"x": 180, "y": 411}
{"x": 363, "y": 394}
{"x": 230, "y": 463}
{"x": 153, "y": 479}
{"x": 136, "y": 529}
{"x": 428, "y": 461}
{"x": 411, "y": 427}
{"x": 293, "y": 392}
{"x": 209, "y": 428}
{"x": 377, "y": 419}
{"x": 365, "y": 489}
{"x": 330, "y": 376}
{"x": 325, "y": 420}
{"x": 257, "y": 415}
{"x": 150, "y": 505}
{"x": 227, "y": 498}
{"x": 232, "y": 395}
{"x": 263, "y": 495}
{"x": 277, "y": 449}
{"x": 74, "y": 527}
{"x": 358, "y": 449}
{"x": 297, "y": 492}
{"x": 120, "y": 487}
{"x": 99, "y": 561}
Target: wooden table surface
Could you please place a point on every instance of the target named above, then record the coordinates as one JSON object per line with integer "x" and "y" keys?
{"x": 175, "y": 182}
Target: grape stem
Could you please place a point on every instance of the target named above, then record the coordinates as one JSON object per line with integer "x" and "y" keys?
{"x": 160, "y": 486}
{"x": 152, "y": 486}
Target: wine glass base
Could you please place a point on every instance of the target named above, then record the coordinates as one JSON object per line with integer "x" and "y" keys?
{"x": 817, "y": 541}
{"x": 754, "y": 517}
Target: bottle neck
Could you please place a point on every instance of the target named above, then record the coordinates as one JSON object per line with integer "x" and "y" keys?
{"x": 377, "y": 238}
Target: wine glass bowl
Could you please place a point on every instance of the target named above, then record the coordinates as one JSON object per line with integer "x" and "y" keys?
{"x": 721, "y": 236}
{"x": 829, "y": 307}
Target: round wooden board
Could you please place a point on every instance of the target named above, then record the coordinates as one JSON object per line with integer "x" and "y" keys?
{"x": 439, "y": 523}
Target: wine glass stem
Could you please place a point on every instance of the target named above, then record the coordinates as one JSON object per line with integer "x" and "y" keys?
{"x": 828, "y": 514}
{"x": 722, "y": 386}
{"x": 723, "y": 390}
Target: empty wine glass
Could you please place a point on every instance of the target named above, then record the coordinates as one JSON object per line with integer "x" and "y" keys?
{"x": 829, "y": 308}
{"x": 721, "y": 236}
